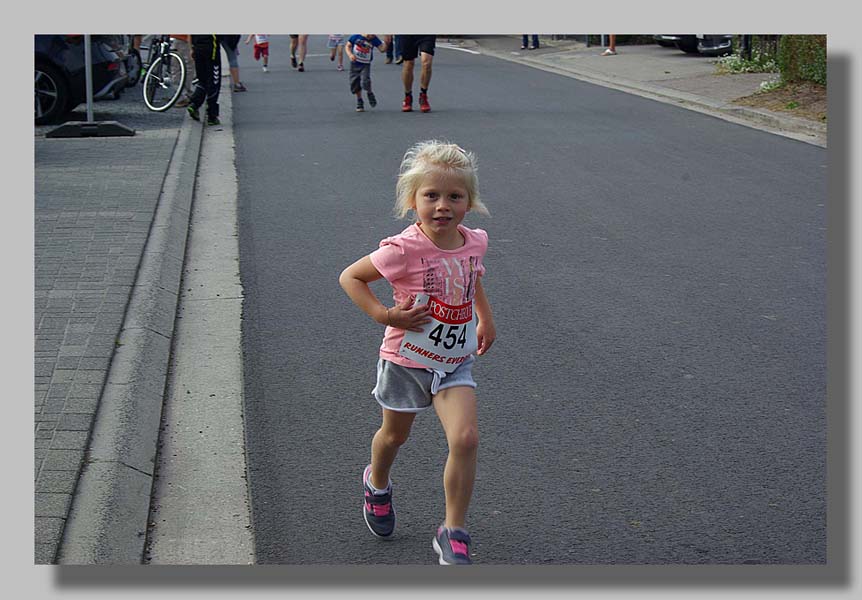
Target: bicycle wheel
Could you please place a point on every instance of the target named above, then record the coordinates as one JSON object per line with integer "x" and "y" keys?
{"x": 164, "y": 82}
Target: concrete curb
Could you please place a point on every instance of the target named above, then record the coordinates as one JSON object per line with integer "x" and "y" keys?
{"x": 788, "y": 126}
{"x": 107, "y": 521}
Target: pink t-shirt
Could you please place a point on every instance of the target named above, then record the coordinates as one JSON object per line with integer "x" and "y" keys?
{"x": 412, "y": 263}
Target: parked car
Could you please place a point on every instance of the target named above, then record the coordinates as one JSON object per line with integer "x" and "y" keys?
{"x": 708, "y": 44}
{"x": 60, "y": 73}
{"x": 668, "y": 40}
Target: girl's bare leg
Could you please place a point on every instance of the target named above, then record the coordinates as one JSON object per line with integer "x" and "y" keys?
{"x": 384, "y": 446}
{"x": 456, "y": 408}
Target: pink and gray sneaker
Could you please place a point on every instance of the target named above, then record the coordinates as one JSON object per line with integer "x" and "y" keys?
{"x": 452, "y": 545}
{"x": 378, "y": 510}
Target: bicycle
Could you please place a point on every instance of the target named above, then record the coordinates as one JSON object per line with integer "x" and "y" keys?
{"x": 165, "y": 76}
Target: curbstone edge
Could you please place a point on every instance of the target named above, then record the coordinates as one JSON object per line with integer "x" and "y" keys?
{"x": 107, "y": 522}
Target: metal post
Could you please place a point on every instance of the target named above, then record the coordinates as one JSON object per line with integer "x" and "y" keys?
{"x": 90, "y": 128}
{"x": 88, "y": 70}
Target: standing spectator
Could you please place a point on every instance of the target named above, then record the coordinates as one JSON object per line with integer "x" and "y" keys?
{"x": 205, "y": 50}
{"x": 360, "y": 50}
{"x": 261, "y": 48}
{"x": 335, "y": 43}
{"x": 137, "y": 41}
{"x": 612, "y": 48}
{"x": 411, "y": 47}
{"x": 533, "y": 46}
{"x": 393, "y": 49}
{"x": 182, "y": 43}
{"x": 230, "y": 43}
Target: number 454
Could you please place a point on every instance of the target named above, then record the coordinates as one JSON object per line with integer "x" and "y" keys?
{"x": 451, "y": 337}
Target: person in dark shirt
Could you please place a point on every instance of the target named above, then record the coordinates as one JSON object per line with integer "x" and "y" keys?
{"x": 207, "y": 56}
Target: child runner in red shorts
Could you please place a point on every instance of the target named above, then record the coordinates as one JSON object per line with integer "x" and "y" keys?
{"x": 261, "y": 48}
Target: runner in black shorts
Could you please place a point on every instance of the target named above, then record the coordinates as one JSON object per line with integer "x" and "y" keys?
{"x": 411, "y": 47}
{"x": 294, "y": 42}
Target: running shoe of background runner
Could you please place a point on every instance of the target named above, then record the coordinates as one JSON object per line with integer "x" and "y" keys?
{"x": 423, "y": 103}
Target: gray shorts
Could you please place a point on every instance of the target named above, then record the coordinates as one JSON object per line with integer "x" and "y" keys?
{"x": 403, "y": 389}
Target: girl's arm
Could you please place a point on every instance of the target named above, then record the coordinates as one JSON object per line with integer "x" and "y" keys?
{"x": 355, "y": 279}
{"x": 485, "y": 329}
{"x": 348, "y": 47}
{"x": 248, "y": 39}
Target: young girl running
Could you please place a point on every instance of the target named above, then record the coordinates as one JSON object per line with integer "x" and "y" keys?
{"x": 440, "y": 317}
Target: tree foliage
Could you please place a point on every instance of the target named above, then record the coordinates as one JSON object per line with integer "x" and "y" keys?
{"x": 802, "y": 58}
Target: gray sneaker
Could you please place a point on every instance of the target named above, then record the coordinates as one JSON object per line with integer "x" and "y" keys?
{"x": 452, "y": 545}
{"x": 378, "y": 510}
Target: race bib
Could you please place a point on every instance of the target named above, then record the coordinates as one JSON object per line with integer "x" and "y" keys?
{"x": 447, "y": 340}
{"x": 362, "y": 51}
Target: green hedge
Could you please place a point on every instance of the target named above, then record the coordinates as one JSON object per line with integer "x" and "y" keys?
{"x": 802, "y": 58}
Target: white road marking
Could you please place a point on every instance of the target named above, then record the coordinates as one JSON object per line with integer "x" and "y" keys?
{"x": 451, "y": 47}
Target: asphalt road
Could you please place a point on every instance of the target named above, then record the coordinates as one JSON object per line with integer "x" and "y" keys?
{"x": 658, "y": 278}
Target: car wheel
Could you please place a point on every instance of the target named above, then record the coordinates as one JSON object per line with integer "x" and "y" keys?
{"x": 665, "y": 43}
{"x": 52, "y": 94}
{"x": 689, "y": 46}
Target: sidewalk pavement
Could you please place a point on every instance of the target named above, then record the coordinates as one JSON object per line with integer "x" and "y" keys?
{"x": 652, "y": 71}
{"x": 111, "y": 219}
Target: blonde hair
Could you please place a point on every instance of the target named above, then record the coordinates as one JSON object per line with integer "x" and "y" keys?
{"x": 435, "y": 154}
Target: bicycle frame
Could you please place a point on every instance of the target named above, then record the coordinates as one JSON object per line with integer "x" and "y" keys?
{"x": 159, "y": 46}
